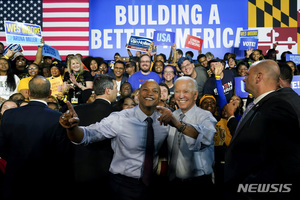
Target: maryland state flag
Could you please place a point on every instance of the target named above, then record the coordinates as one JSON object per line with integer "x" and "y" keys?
{"x": 277, "y": 21}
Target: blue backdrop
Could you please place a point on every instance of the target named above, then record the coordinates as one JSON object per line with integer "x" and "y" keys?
{"x": 217, "y": 22}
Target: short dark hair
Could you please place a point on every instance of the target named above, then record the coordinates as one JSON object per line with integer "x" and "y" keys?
{"x": 165, "y": 85}
{"x": 119, "y": 61}
{"x": 39, "y": 87}
{"x": 182, "y": 59}
{"x": 101, "y": 82}
{"x": 286, "y": 73}
{"x": 200, "y": 56}
{"x": 189, "y": 52}
{"x": 179, "y": 51}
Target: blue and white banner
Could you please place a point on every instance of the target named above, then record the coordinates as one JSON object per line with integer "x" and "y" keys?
{"x": 21, "y": 33}
{"x": 13, "y": 47}
{"x": 293, "y": 57}
{"x": 218, "y": 23}
{"x": 295, "y": 85}
{"x": 247, "y": 43}
{"x": 50, "y": 51}
{"x": 240, "y": 87}
{"x": 139, "y": 43}
{"x": 164, "y": 38}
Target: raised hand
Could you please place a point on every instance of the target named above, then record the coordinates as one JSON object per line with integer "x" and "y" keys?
{"x": 167, "y": 117}
{"x": 70, "y": 118}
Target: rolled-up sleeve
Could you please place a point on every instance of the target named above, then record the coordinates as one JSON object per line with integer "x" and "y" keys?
{"x": 99, "y": 131}
{"x": 206, "y": 130}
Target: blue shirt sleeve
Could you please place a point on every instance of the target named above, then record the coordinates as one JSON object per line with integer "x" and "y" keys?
{"x": 222, "y": 98}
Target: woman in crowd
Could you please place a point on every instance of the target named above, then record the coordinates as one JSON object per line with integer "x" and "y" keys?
{"x": 56, "y": 81}
{"x": 242, "y": 68}
{"x": 169, "y": 76}
{"x": 158, "y": 67}
{"x": 23, "y": 87}
{"x": 93, "y": 63}
{"x": 8, "y": 80}
{"x": 76, "y": 80}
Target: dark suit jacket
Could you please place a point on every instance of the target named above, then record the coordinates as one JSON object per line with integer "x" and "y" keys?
{"x": 92, "y": 162}
{"x": 37, "y": 151}
{"x": 266, "y": 146}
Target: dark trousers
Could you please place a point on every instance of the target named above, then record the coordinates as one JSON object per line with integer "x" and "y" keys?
{"x": 190, "y": 188}
{"x": 127, "y": 188}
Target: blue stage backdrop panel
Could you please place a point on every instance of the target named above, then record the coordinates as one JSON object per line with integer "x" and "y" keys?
{"x": 217, "y": 22}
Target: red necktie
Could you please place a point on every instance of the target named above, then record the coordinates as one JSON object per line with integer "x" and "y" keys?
{"x": 148, "y": 162}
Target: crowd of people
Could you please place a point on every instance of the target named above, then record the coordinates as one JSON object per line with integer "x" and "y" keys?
{"x": 96, "y": 117}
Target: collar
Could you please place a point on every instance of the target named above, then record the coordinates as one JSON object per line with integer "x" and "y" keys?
{"x": 104, "y": 99}
{"x": 141, "y": 116}
{"x": 41, "y": 101}
{"x": 191, "y": 110}
{"x": 260, "y": 97}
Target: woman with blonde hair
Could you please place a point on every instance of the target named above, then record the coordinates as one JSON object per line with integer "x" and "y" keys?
{"x": 76, "y": 79}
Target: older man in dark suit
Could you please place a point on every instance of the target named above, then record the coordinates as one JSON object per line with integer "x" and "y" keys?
{"x": 36, "y": 149}
{"x": 91, "y": 163}
{"x": 263, "y": 158}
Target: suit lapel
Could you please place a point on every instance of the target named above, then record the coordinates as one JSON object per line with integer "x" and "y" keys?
{"x": 251, "y": 114}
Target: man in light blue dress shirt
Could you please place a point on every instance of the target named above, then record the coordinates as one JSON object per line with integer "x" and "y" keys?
{"x": 191, "y": 150}
{"x": 128, "y": 130}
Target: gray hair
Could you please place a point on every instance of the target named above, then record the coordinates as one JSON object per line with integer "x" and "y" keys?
{"x": 194, "y": 82}
{"x": 101, "y": 82}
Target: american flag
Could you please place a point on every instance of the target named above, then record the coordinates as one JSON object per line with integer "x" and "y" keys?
{"x": 65, "y": 23}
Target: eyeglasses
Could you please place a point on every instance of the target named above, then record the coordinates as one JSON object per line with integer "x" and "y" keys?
{"x": 182, "y": 66}
{"x": 168, "y": 72}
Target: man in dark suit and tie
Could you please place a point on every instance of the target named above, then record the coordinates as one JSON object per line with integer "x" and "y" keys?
{"x": 36, "y": 148}
{"x": 91, "y": 162}
{"x": 263, "y": 158}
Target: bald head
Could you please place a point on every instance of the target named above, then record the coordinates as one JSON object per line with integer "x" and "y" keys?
{"x": 263, "y": 76}
{"x": 268, "y": 67}
{"x": 39, "y": 87}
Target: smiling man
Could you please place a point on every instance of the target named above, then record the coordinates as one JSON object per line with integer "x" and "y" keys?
{"x": 198, "y": 73}
{"x": 128, "y": 132}
{"x": 138, "y": 78}
{"x": 118, "y": 74}
{"x": 191, "y": 147}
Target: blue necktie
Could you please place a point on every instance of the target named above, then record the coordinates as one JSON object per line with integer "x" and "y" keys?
{"x": 148, "y": 162}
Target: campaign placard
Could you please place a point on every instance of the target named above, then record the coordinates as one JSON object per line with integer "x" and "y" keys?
{"x": 50, "y": 51}
{"x": 295, "y": 84}
{"x": 193, "y": 42}
{"x": 240, "y": 87}
{"x": 293, "y": 57}
{"x": 163, "y": 38}
{"x": 13, "y": 47}
{"x": 21, "y": 33}
{"x": 139, "y": 43}
{"x": 248, "y": 43}
{"x": 249, "y": 33}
